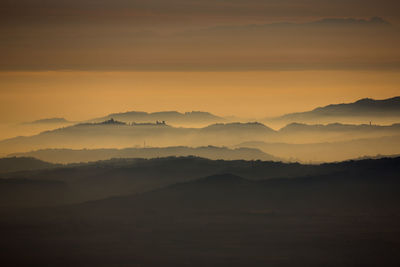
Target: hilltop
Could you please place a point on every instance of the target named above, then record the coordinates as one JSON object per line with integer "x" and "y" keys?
{"x": 364, "y": 109}
{"x": 50, "y": 121}
{"x": 170, "y": 117}
{"x": 87, "y": 155}
{"x": 117, "y": 134}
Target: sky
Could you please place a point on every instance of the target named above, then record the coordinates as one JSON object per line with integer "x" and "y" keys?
{"x": 249, "y": 58}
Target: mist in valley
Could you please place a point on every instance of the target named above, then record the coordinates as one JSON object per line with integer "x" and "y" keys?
{"x": 200, "y": 133}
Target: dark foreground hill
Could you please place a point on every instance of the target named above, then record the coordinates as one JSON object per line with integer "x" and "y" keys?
{"x": 97, "y": 180}
{"x": 115, "y": 177}
{"x": 346, "y": 216}
{"x": 14, "y": 164}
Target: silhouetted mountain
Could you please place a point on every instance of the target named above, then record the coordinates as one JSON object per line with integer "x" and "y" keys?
{"x": 220, "y": 179}
{"x": 247, "y": 128}
{"x": 367, "y": 187}
{"x": 121, "y": 177}
{"x": 14, "y": 164}
{"x": 334, "y": 132}
{"x": 31, "y": 193}
{"x": 222, "y": 220}
{"x": 86, "y": 155}
{"x": 336, "y": 127}
{"x": 362, "y": 107}
{"x": 365, "y": 109}
{"x": 331, "y": 151}
{"x": 115, "y": 177}
{"x": 50, "y": 121}
{"x": 374, "y": 21}
{"x": 115, "y": 134}
{"x": 126, "y": 176}
{"x": 170, "y": 117}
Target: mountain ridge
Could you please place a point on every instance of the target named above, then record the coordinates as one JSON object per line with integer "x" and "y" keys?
{"x": 67, "y": 156}
{"x": 170, "y": 117}
{"x": 115, "y": 134}
{"x": 15, "y": 164}
{"x": 55, "y": 120}
{"x": 362, "y": 108}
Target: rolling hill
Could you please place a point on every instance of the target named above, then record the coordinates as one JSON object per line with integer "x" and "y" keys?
{"x": 113, "y": 134}
{"x": 170, "y": 117}
{"x": 86, "y": 155}
{"x": 50, "y": 121}
{"x": 334, "y": 132}
{"x": 14, "y": 164}
{"x": 363, "y": 110}
{"x": 97, "y": 180}
{"x": 116, "y": 134}
{"x": 330, "y": 151}
{"x": 222, "y": 219}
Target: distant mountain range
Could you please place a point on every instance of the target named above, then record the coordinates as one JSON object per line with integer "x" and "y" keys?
{"x": 202, "y": 129}
{"x": 174, "y": 118}
{"x": 116, "y": 134}
{"x": 87, "y": 155}
{"x": 335, "y": 127}
{"x": 331, "y": 151}
{"x": 315, "y": 133}
{"x": 170, "y": 117}
{"x": 49, "y": 121}
{"x": 365, "y": 109}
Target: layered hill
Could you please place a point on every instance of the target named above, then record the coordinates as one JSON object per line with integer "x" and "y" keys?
{"x": 363, "y": 110}
{"x": 87, "y": 155}
{"x": 367, "y": 188}
{"x": 170, "y": 117}
{"x": 331, "y": 151}
{"x": 223, "y": 219}
{"x": 313, "y": 133}
{"x": 15, "y": 164}
{"x": 49, "y": 121}
{"x": 97, "y": 180}
{"x": 116, "y": 134}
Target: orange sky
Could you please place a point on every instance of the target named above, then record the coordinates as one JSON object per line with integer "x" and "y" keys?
{"x": 26, "y": 96}
{"x": 82, "y": 58}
